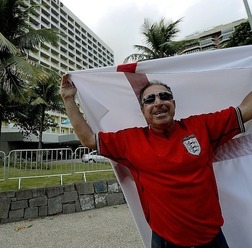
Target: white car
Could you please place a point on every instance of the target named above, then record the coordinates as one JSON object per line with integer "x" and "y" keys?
{"x": 93, "y": 157}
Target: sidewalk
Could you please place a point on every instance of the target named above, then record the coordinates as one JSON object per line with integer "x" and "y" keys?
{"x": 108, "y": 227}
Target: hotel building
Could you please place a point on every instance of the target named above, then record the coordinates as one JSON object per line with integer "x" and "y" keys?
{"x": 79, "y": 48}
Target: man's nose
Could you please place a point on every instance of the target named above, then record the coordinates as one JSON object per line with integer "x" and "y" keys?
{"x": 157, "y": 100}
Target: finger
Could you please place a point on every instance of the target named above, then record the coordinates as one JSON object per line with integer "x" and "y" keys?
{"x": 64, "y": 79}
{"x": 67, "y": 80}
{"x": 72, "y": 83}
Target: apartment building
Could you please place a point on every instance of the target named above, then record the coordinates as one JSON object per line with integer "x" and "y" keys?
{"x": 79, "y": 48}
{"x": 213, "y": 38}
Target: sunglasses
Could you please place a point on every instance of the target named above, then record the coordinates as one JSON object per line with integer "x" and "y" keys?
{"x": 163, "y": 96}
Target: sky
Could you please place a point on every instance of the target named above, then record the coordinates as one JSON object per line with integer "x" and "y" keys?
{"x": 118, "y": 22}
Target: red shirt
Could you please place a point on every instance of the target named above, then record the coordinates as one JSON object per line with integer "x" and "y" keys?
{"x": 174, "y": 174}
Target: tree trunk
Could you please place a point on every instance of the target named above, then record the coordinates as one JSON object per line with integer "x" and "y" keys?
{"x": 41, "y": 127}
{"x": 1, "y": 115}
{"x": 0, "y": 130}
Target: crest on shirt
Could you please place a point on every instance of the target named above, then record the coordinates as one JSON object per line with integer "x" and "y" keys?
{"x": 192, "y": 145}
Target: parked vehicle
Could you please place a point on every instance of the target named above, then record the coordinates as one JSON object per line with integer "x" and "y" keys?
{"x": 93, "y": 157}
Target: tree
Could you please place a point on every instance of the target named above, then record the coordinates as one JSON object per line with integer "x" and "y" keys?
{"x": 158, "y": 38}
{"x": 17, "y": 38}
{"x": 43, "y": 97}
{"x": 242, "y": 36}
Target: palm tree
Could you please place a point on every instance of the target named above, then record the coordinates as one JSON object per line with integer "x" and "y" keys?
{"x": 17, "y": 38}
{"x": 157, "y": 37}
{"x": 42, "y": 96}
{"x": 47, "y": 97}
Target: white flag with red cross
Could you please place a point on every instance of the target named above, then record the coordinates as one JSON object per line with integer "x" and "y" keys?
{"x": 201, "y": 83}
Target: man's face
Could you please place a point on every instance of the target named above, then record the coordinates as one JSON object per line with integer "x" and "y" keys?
{"x": 158, "y": 114}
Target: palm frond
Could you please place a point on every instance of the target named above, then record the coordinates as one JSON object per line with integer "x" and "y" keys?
{"x": 31, "y": 40}
{"x": 27, "y": 71}
{"x": 39, "y": 101}
{"x": 6, "y": 46}
{"x": 158, "y": 39}
{"x": 135, "y": 57}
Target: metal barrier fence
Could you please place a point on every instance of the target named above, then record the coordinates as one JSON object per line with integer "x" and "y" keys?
{"x": 39, "y": 163}
{"x": 91, "y": 162}
{"x": 2, "y": 165}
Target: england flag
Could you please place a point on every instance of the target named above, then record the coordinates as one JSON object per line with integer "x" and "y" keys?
{"x": 201, "y": 83}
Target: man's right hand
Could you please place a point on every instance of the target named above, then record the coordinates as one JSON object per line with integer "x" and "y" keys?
{"x": 67, "y": 89}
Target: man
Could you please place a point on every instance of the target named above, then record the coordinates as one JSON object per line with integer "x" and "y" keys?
{"x": 171, "y": 162}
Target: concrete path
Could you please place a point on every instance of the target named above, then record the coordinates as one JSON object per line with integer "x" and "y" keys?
{"x": 108, "y": 227}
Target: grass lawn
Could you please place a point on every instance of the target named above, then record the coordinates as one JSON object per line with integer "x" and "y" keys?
{"x": 42, "y": 179}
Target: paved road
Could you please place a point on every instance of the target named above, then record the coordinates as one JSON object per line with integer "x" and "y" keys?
{"x": 108, "y": 227}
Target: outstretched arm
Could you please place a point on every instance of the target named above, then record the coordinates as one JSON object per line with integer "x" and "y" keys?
{"x": 246, "y": 107}
{"x": 80, "y": 126}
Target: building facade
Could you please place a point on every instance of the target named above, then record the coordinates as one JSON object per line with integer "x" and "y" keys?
{"x": 79, "y": 48}
{"x": 213, "y": 38}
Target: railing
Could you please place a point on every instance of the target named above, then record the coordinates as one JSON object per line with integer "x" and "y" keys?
{"x": 2, "y": 166}
{"x": 90, "y": 164}
{"x": 44, "y": 163}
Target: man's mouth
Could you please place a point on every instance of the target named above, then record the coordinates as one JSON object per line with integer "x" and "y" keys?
{"x": 160, "y": 113}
